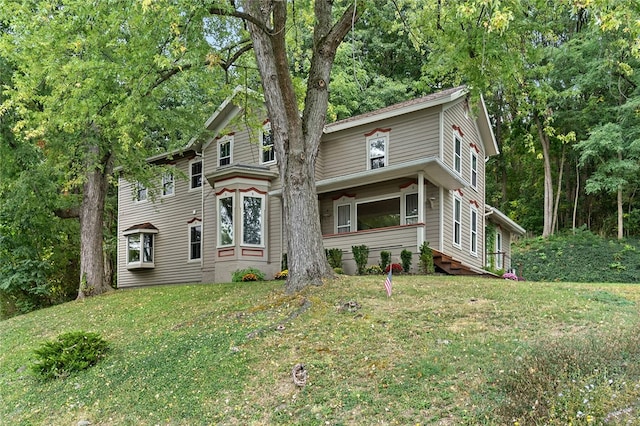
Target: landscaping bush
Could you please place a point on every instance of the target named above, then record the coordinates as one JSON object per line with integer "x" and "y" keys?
{"x": 251, "y": 274}
{"x": 405, "y": 257}
{"x": 338, "y": 271}
{"x": 68, "y": 353}
{"x": 334, "y": 257}
{"x": 426, "y": 259}
{"x": 361, "y": 256}
{"x": 282, "y": 275}
{"x": 374, "y": 270}
{"x": 385, "y": 259}
{"x": 395, "y": 267}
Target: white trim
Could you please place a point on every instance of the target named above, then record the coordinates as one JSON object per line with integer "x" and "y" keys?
{"x": 473, "y": 234}
{"x": 379, "y": 135}
{"x": 456, "y": 198}
{"x": 140, "y": 187}
{"x": 473, "y": 155}
{"x": 224, "y": 140}
{"x": 457, "y": 138}
{"x": 262, "y": 198}
{"x": 141, "y": 263}
{"x": 266, "y": 129}
{"x": 191, "y": 163}
{"x": 344, "y": 201}
{"x": 194, "y": 224}
{"x": 168, "y": 178}
{"x": 219, "y": 198}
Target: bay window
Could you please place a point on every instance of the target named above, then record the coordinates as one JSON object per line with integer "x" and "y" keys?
{"x": 252, "y": 218}
{"x": 225, "y": 220}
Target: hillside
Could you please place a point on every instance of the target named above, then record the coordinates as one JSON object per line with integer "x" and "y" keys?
{"x": 441, "y": 350}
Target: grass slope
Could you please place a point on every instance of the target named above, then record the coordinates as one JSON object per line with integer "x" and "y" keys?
{"x": 441, "y": 350}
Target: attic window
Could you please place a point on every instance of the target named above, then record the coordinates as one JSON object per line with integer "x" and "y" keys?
{"x": 377, "y": 148}
{"x": 140, "y": 246}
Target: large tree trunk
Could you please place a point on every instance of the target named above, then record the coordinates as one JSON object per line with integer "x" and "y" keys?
{"x": 92, "y": 273}
{"x": 296, "y": 138}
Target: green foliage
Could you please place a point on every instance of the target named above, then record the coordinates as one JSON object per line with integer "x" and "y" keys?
{"x": 374, "y": 270}
{"x": 338, "y": 271}
{"x": 68, "y": 353}
{"x": 251, "y": 274}
{"x": 579, "y": 257}
{"x": 361, "y": 257}
{"x": 405, "y": 257}
{"x": 334, "y": 257}
{"x": 426, "y": 259}
{"x": 385, "y": 259}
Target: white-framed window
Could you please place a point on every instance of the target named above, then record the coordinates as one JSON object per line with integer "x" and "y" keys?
{"x": 473, "y": 232}
{"x": 474, "y": 170}
{"x": 195, "y": 174}
{"x": 167, "y": 184}
{"x": 377, "y": 150}
{"x": 267, "y": 153}
{"x": 141, "y": 192}
{"x": 225, "y": 219}
{"x": 225, "y": 150}
{"x": 253, "y": 207}
{"x": 410, "y": 208}
{"x": 378, "y": 213}
{"x": 499, "y": 256}
{"x": 457, "y": 220}
{"x": 457, "y": 153}
{"x": 343, "y": 224}
{"x": 140, "y": 252}
{"x": 195, "y": 240}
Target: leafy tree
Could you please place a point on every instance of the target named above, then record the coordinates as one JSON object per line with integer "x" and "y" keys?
{"x": 97, "y": 84}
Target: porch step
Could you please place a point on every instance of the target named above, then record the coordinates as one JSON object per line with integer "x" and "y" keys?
{"x": 448, "y": 265}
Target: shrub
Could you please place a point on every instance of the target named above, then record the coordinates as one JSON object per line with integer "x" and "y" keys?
{"x": 395, "y": 267}
{"x": 339, "y": 271}
{"x": 374, "y": 270}
{"x": 405, "y": 257}
{"x": 426, "y": 259}
{"x": 510, "y": 276}
{"x": 334, "y": 257}
{"x": 282, "y": 275}
{"x": 385, "y": 259}
{"x": 361, "y": 256}
{"x": 249, "y": 277}
{"x": 238, "y": 275}
{"x": 68, "y": 353}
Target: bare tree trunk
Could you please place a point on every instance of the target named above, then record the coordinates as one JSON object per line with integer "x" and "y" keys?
{"x": 547, "y": 229}
{"x": 554, "y": 221}
{"x": 297, "y": 139}
{"x": 92, "y": 276}
{"x": 575, "y": 200}
{"x": 620, "y": 215}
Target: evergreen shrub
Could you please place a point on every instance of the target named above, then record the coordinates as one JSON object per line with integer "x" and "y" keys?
{"x": 405, "y": 257}
{"x": 68, "y": 353}
{"x": 385, "y": 259}
{"x": 361, "y": 256}
{"x": 334, "y": 257}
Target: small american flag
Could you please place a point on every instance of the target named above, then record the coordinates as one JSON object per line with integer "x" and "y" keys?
{"x": 387, "y": 282}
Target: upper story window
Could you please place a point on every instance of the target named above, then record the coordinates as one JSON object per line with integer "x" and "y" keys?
{"x": 457, "y": 154}
{"x": 167, "y": 184}
{"x": 225, "y": 147}
{"x": 267, "y": 153}
{"x": 457, "y": 220}
{"x": 225, "y": 219}
{"x": 474, "y": 232}
{"x": 141, "y": 192}
{"x": 253, "y": 218}
{"x": 377, "y": 148}
{"x": 195, "y": 241}
{"x": 474, "y": 170}
{"x": 195, "y": 174}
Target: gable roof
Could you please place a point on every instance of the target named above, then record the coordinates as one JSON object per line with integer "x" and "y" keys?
{"x": 421, "y": 103}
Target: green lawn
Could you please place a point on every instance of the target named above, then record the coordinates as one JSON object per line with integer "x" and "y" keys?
{"x": 441, "y": 350}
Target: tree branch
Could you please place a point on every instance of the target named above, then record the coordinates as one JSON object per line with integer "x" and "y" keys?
{"x": 242, "y": 15}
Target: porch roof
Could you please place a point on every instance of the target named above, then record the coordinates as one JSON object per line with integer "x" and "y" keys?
{"x": 434, "y": 170}
{"x": 496, "y": 216}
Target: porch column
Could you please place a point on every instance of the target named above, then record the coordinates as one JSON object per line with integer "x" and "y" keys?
{"x": 421, "y": 215}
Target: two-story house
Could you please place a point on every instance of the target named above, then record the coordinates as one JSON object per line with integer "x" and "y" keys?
{"x": 390, "y": 179}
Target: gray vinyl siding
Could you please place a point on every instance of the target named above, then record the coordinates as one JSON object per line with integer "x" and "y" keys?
{"x": 171, "y": 215}
{"x": 412, "y": 136}
{"x": 390, "y": 239}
